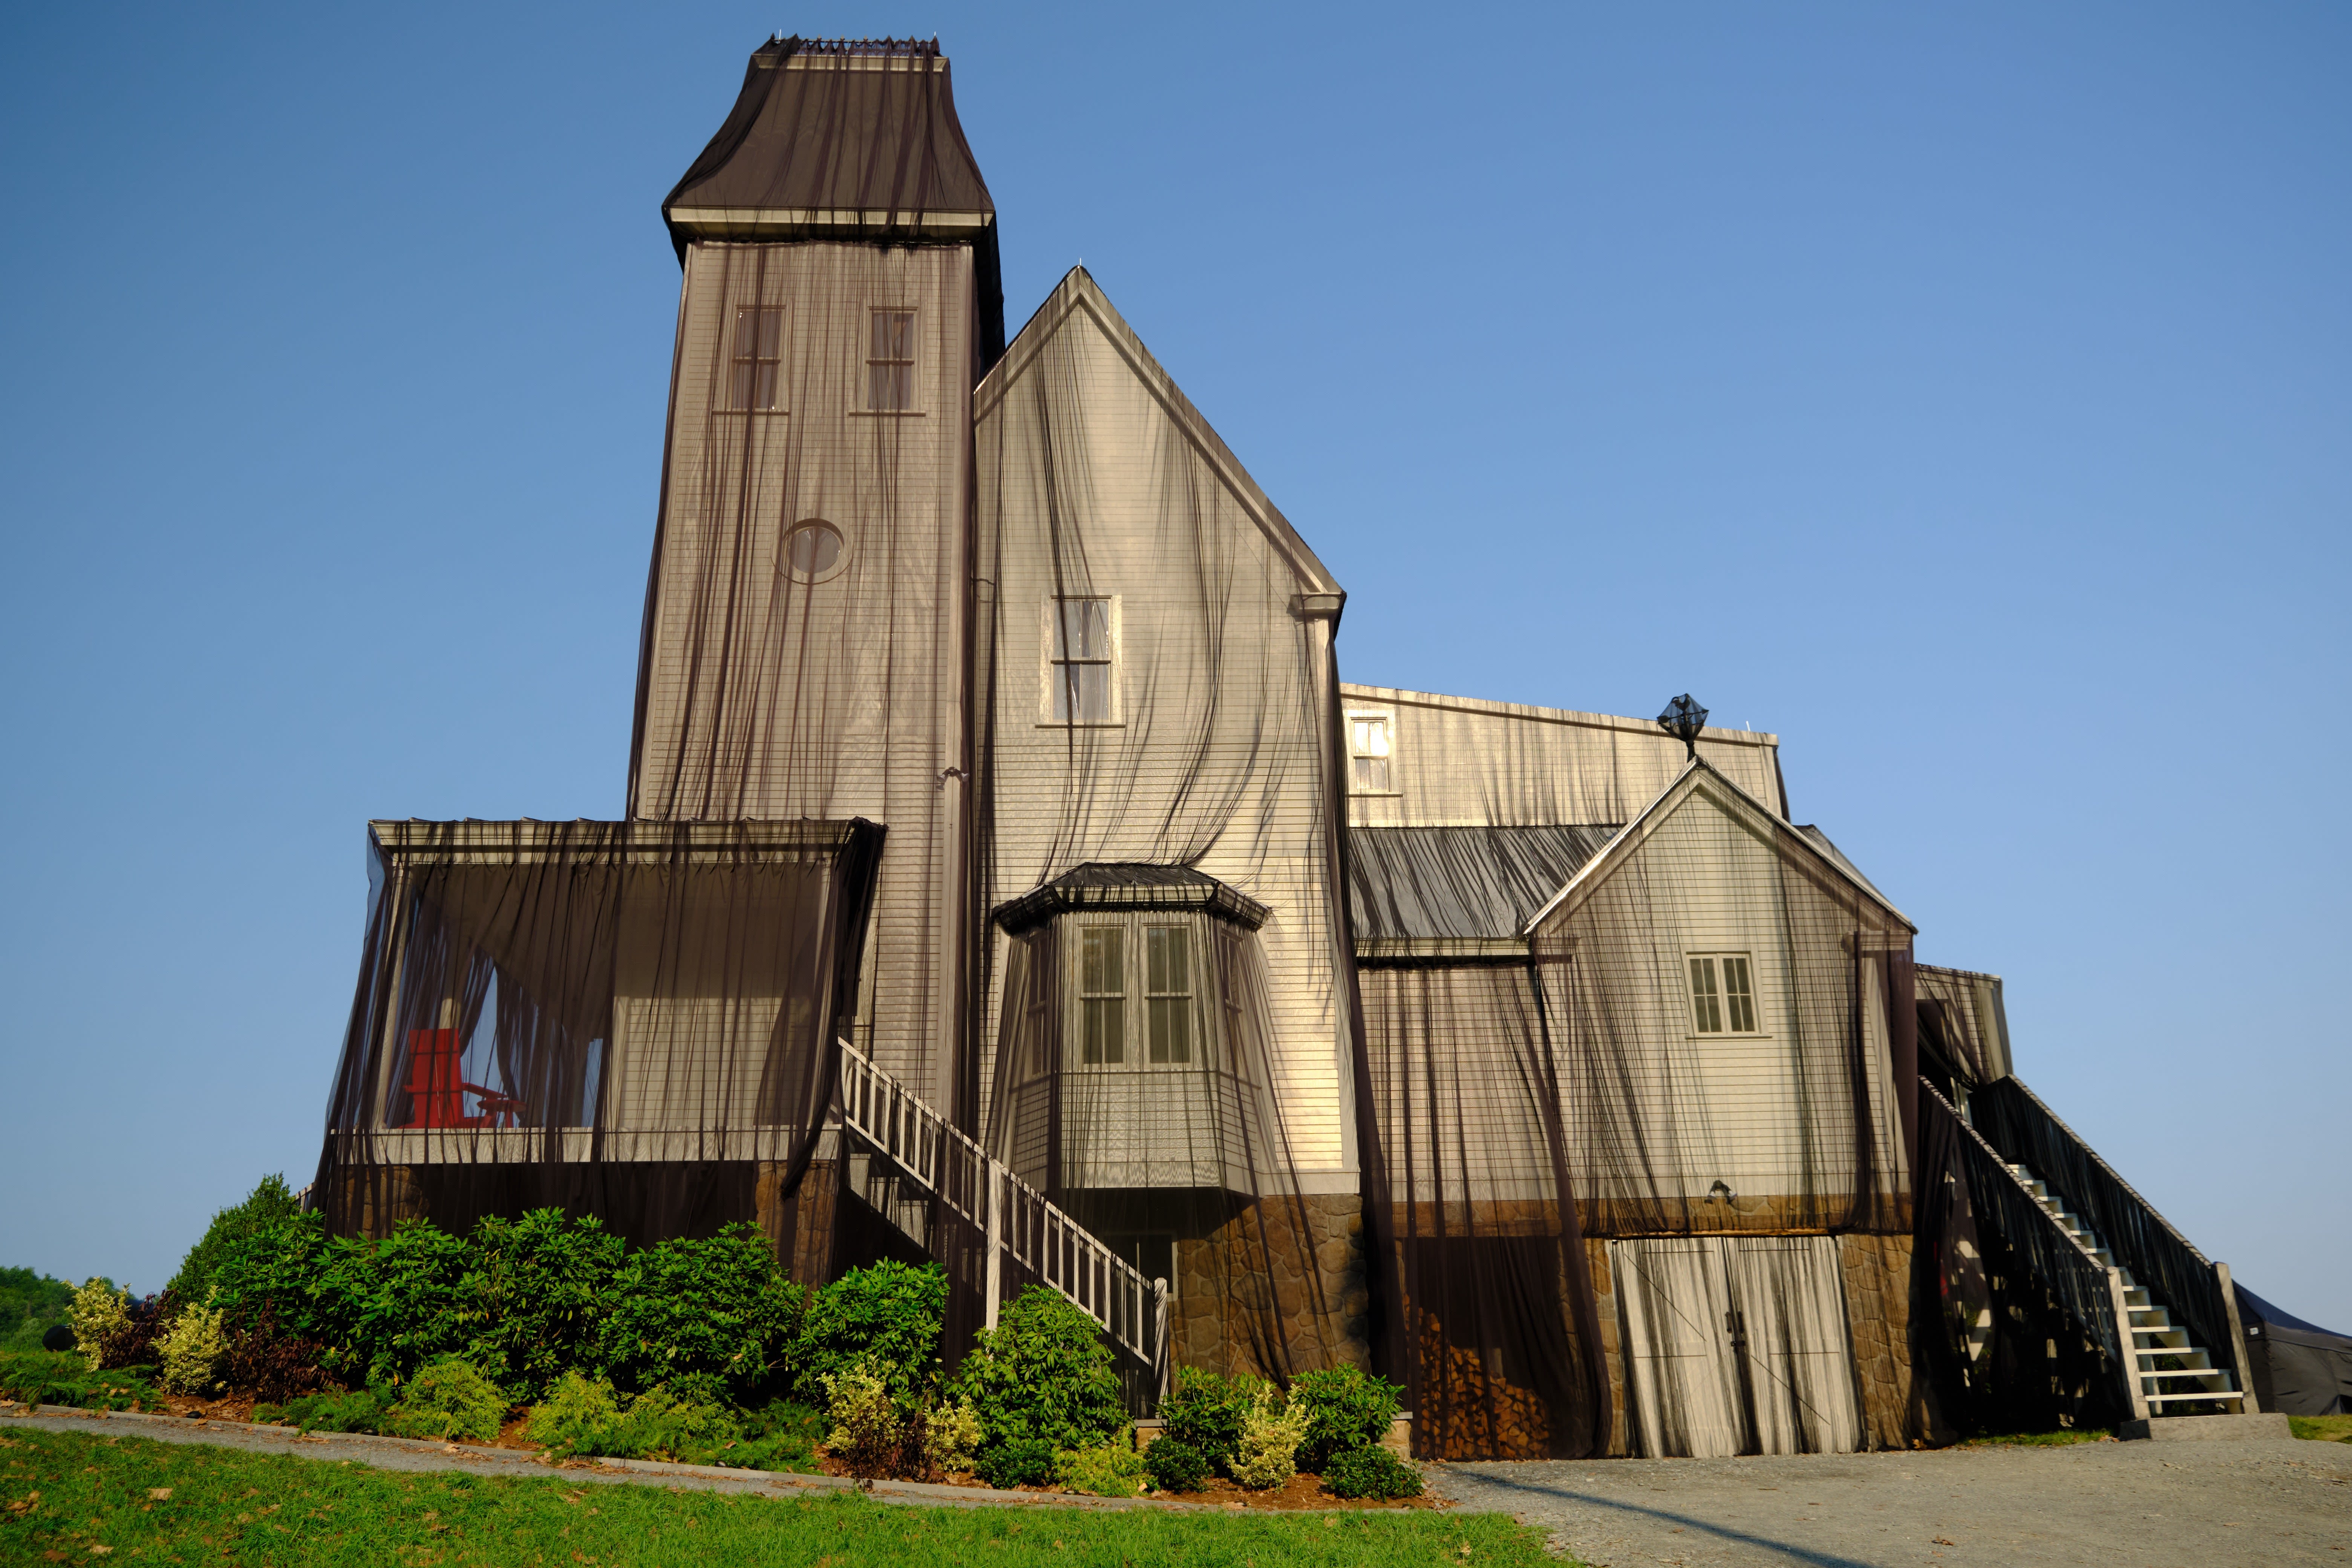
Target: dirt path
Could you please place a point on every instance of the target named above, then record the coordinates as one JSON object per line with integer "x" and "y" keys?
{"x": 2118, "y": 1505}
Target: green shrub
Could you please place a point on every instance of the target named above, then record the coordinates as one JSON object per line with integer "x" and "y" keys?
{"x": 1016, "y": 1462}
{"x": 99, "y": 1312}
{"x": 1373, "y": 1473}
{"x": 782, "y": 1436}
{"x": 191, "y": 1349}
{"x": 448, "y": 1398}
{"x": 63, "y": 1377}
{"x": 719, "y": 1305}
{"x": 1344, "y": 1411}
{"x": 231, "y": 1229}
{"x": 332, "y": 1411}
{"x": 1206, "y": 1412}
{"x": 1175, "y": 1466}
{"x": 951, "y": 1437}
{"x": 30, "y": 1306}
{"x": 1042, "y": 1379}
{"x": 394, "y": 1305}
{"x": 868, "y": 1432}
{"x": 537, "y": 1292}
{"x": 1108, "y": 1470}
{"x": 578, "y": 1415}
{"x": 1268, "y": 1454}
{"x": 887, "y": 1314}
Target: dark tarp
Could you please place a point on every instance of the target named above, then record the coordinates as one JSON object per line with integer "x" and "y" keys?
{"x": 1454, "y": 884}
{"x": 2299, "y": 1369}
{"x": 831, "y": 134}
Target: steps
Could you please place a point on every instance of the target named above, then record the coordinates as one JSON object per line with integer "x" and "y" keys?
{"x": 2175, "y": 1375}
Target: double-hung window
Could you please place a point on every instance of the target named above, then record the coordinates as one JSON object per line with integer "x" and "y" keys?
{"x": 1167, "y": 992}
{"x": 1370, "y": 752}
{"x": 756, "y": 365}
{"x": 890, "y": 362}
{"x": 1081, "y": 663}
{"x": 1723, "y": 993}
{"x": 1102, "y": 996}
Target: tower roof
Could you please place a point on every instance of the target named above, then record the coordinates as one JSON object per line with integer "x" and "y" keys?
{"x": 844, "y": 139}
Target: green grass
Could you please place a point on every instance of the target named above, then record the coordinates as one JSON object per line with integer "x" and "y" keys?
{"x": 224, "y": 1506}
{"x": 2058, "y": 1440}
{"x": 2322, "y": 1428}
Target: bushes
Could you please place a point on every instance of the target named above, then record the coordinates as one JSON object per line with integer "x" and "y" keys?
{"x": 52, "y": 1377}
{"x": 448, "y": 1398}
{"x": 1175, "y": 1466}
{"x": 100, "y": 1314}
{"x": 278, "y": 1367}
{"x": 230, "y": 1230}
{"x": 334, "y": 1411}
{"x": 718, "y": 1306}
{"x": 1041, "y": 1381}
{"x": 1371, "y": 1473}
{"x": 951, "y": 1437}
{"x": 1015, "y": 1462}
{"x": 535, "y": 1293}
{"x": 1268, "y": 1453}
{"x": 869, "y": 1432}
{"x": 191, "y": 1349}
{"x": 1108, "y": 1470}
{"x": 1346, "y": 1411}
{"x": 30, "y": 1306}
{"x": 1206, "y": 1412}
{"x": 888, "y": 1313}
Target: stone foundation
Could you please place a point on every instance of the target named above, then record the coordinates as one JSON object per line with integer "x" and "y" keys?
{"x": 1877, "y": 1275}
{"x": 1298, "y": 1262}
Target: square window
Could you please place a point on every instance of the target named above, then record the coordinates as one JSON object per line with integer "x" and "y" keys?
{"x": 890, "y": 362}
{"x": 1723, "y": 993}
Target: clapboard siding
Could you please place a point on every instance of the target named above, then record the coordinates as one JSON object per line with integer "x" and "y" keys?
{"x": 766, "y": 697}
{"x": 1461, "y": 762}
{"x": 1097, "y": 479}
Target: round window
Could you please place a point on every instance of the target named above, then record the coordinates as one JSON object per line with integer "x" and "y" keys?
{"x": 814, "y": 551}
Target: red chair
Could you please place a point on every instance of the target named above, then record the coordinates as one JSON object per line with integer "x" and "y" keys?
{"x": 436, "y": 1094}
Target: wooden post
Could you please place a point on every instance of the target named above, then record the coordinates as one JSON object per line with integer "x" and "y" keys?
{"x": 995, "y": 1271}
{"x": 2130, "y": 1345}
{"x": 2249, "y": 1403}
{"x": 1160, "y": 1333}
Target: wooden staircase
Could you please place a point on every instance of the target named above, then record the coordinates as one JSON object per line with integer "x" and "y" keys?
{"x": 2173, "y": 1372}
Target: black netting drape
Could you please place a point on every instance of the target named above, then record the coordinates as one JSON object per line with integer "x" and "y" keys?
{"x": 2015, "y": 1121}
{"x": 629, "y": 1019}
{"x": 2020, "y": 1333}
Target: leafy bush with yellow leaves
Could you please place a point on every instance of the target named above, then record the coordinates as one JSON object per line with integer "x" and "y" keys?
{"x": 192, "y": 1350}
{"x": 1271, "y": 1433}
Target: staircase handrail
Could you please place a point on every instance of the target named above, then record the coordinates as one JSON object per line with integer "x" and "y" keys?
{"x": 2026, "y": 1131}
{"x": 1015, "y": 1219}
{"x": 2072, "y": 1272}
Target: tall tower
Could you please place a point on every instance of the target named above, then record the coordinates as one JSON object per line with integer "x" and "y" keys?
{"x": 805, "y": 646}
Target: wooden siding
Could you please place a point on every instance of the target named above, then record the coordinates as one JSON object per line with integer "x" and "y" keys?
{"x": 764, "y": 696}
{"x": 1460, "y": 762}
{"x": 1096, "y": 479}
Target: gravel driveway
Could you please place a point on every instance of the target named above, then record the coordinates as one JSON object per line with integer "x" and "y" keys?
{"x": 2120, "y": 1505}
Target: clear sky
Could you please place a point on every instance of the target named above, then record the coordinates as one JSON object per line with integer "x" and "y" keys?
{"x": 1962, "y": 392}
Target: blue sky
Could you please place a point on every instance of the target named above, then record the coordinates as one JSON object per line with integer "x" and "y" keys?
{"x": 1963, "y": 393}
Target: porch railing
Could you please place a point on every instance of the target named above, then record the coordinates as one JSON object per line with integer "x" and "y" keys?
{"x": 1018, "y": 1222}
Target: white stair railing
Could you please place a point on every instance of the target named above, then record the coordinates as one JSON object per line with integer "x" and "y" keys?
{"x": 1014, "y": 1218}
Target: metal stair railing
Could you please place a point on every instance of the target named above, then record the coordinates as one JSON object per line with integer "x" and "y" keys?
{"x": 1017, "y": 1220}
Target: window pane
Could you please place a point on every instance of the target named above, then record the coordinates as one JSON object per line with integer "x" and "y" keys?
{"x": 893, "y": 334}
{"x": 1093, "y": 629}
{"x": 1375, "y": 771}
{"x": 1739, "y": 1001}
{"x": 1104, "y": 1030}
{"x": 1171, "y": 1029}
{"x": 1705, "y": 1007}
{"x": 1101, "y": 968}
{"x": 747, "y": 330}
{"x": 1093, "y": 686}
{"x": 771, "y": 335}
{"x": 741, "y": 393}
{"x": 887, "y": 385}
{"x": 763, "y": 392}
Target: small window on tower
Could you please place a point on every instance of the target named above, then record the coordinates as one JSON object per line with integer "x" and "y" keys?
{"x": 890, "y": 363}
{"x": 1369, "y": 748}
{"x": 1723, "y": 994}
{"x": 757, "y": 360}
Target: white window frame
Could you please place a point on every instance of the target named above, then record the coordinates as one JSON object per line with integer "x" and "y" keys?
{"x": 1717, "y": 962}
{"x": 1204, "y": 1026}
{"x": 1049, "y": 675}
{"x": 1382, "y": 716}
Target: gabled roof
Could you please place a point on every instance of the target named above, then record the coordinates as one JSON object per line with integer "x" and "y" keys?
{"x": 1130, "y": 885}
{"x": 1078, "y": 298}
{"x": 1700, "y": 775}
{"x": 1457, "y": 892}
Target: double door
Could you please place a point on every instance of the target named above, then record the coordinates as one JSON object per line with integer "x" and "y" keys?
{"x": 1737, "y": 1344}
